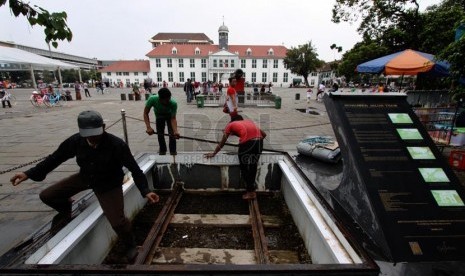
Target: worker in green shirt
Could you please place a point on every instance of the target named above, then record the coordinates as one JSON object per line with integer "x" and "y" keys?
{"x": 165, "y": 114}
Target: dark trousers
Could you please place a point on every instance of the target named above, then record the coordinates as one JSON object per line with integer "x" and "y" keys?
{"x": 7, "y": 101}
{"x": 87, "y": 92}
{"x": 249, "y": 154}
{"x": 58, "y": 196}
{"x": 161, "y": 122}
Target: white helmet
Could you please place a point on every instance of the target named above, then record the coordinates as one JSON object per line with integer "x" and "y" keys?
{"x": 35, "y": 92}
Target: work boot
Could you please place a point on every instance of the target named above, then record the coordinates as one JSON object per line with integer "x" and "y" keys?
{"x": 59, "y": 221}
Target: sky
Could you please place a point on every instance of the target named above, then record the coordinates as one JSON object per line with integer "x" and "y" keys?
{"x": 120, "y": 30}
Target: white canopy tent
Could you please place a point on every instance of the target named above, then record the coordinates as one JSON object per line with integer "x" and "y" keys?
{"x": 14, "y": 59}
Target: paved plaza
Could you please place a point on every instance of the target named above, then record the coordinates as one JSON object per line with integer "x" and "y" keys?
{"x": 29, "y": 133}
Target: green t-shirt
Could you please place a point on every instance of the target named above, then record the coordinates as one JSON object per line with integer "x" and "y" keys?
{"x": 162, "y": 111}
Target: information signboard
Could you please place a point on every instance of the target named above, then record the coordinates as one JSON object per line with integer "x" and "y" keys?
{"x": 397, "y": 186}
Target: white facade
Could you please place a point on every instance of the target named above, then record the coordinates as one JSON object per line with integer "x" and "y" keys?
{"x": 127, "y": 78}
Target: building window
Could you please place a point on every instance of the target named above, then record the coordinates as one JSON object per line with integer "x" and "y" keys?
{"x": 204, "y": 76}
{"x": 204, "y": 63}
{"x": 275, "y": 77}
{"x": 170, "y": 76}
{"x": 118, "y": 81}
{"x": 215, "y": 63}
{"x": 242, "y": 63}
{"x": 181, "y": 76}
{"x": 254, "y": 77}
{"x": 226, "y": 63}
{"x": 158, "y": 62}
{"x": 136, "y": 81}
{"x": 192, "y": 62}
{"x": 119, "y": 73}
{"x": 270, "y": 52}
{"x": 197, "y": 51}
{"x": 232, "y": 63}
{"x": 275, "y": 63}
{"x": 285, "y": 77}
{"x": 144, "y": 74}
{"x": 159, "y": 78}
{"x": 108, "y": 73}
{"x": 265, "y": 63}
{"x": 128, "y": 82}
{"x": 181, "y": 63}
{"x": 264, "y": 79}
{"x": 248, "y": 52}
{"x": 174, "y": 51}
{"x": 170, "y": 63}
{"x": 314, "y": 74}
{"x": 254, "y": 63}
{"x": 192, "y": 76}
{"x": 136, "y": 73}
{"x": 125, "y": 73}
{"x": 221, "y": 63}
{"x": 312, "y": 82}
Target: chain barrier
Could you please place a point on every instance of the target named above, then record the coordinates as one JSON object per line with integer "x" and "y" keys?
{"x": 183, "y": 137}
{"x": 42, "y": 158}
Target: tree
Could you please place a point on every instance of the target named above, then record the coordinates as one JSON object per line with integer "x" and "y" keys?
{"x": 302, "y": 60}
{"x": 375, "y": 17}
{"x": 455, "y": 55}
{"x": 361, "y": 52}
{"x": 55, "y": 26}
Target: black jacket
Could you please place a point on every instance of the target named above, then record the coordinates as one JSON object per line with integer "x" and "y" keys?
{"x": 101, "y": 168}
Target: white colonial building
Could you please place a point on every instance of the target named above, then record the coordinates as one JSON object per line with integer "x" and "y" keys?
{"x": 176, "y": 57}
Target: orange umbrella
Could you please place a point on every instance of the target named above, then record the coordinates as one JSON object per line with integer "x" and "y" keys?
{"x": 407, "y": 62}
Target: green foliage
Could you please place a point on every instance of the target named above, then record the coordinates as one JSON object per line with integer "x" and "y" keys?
{"x": 55, "y": 26}
{"x": 361, "y": 52}
{"x": 302, "y": 60}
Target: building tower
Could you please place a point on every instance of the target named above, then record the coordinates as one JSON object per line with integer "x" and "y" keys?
{"x": 223, "y": 37}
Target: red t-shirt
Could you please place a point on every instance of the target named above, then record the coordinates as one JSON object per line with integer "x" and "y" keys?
{"x": 246, "y": 130}
{"x": 240, "y": 84}
{"x": 231, "y": 91}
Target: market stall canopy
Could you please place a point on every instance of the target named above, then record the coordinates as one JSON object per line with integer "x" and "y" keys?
{"x": 407, "y": 62}
{"x": 14, "y": 59}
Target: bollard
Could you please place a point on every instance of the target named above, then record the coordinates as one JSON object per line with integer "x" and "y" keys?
{"x": 125, "y": 128}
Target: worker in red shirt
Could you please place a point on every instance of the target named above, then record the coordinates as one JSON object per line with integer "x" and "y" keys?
{"x": 231, "y": 97}
{"x": 250, "y": 147}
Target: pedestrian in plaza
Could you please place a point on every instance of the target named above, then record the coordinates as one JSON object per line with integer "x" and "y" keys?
{"x": 321, "y": 90}
{"x": 77, "y": 89}
{"x": 250, "y": 148}
{"x": 231, "y": 97}
{"x": 220, "y": 88}
{"x": 240, "y": 83}
{"x": 165, "y": 109}
{"x": 5, "y": 98}
{"x": 86, "y": 89}
{"x": 309, "y": 94}
{"x": 188, "y": 89}
{"x": 100, "y": 156}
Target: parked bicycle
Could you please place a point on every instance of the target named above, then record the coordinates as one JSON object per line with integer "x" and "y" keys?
{"x": 57, "y": 99}
{"x": 36, "y": 99}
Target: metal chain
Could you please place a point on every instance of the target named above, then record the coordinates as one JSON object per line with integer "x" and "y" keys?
{"x": 42, "y": 158}
{"x": 185, "y": 137}
{"x": 21, "y": 166}
{"x": 215, "y": 129}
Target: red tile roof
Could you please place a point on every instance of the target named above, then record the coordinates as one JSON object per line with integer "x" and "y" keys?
{"x": 188, "y": 50}
{"x": 181, "y": 36}
{"x": 128, "y": 66}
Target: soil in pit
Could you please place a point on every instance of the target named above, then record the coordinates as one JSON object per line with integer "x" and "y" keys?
{"x": 285, "y": 237}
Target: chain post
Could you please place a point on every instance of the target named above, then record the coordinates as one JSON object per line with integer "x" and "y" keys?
{"x": 125, "y": 128}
